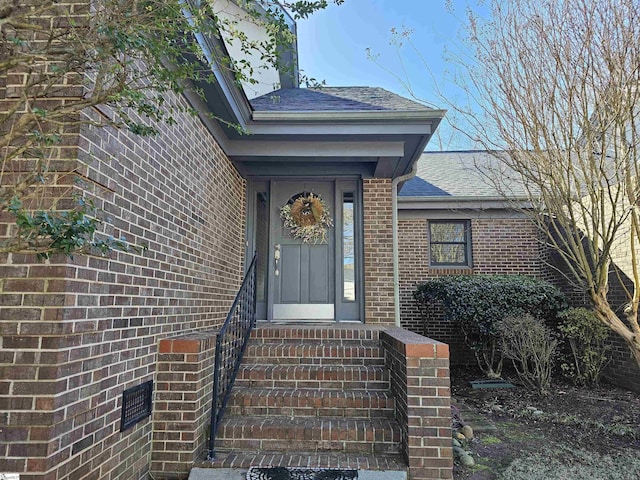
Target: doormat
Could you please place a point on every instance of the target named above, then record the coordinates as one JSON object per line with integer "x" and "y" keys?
{"x": 286, "y": 473}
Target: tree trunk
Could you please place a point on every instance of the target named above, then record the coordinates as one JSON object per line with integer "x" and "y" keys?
{"x": 611, "y": 320}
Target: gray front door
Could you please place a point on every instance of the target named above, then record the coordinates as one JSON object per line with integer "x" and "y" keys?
{"x": 303, "y": 277}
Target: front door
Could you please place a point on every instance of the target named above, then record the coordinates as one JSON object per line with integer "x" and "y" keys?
{"x": 302, "y": 273}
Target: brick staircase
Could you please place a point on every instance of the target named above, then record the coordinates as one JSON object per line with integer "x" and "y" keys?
{"x": 311, "y": 396}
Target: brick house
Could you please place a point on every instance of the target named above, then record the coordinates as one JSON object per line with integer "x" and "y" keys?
{"x": 449, "y": 202}
{"x": 80, "y": 334}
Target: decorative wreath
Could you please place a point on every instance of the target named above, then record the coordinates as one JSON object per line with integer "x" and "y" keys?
{"x": 306, "y": 216}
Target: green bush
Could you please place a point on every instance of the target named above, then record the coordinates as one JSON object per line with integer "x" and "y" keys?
{"x": 478, "y": 302}
{"x": 586, "y": 336}
{"x": 531, "y": 346}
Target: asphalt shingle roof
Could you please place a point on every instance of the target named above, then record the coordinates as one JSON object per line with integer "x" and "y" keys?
{"x": 454, "y": 174}
{"x": 334, "y": 99}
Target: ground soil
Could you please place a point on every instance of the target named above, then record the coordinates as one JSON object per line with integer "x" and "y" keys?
{"x": 603, "y": 420}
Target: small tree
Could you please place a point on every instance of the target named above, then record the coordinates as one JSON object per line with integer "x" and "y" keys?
{"x": 557, "y": 87}
{"x": 60, "y": 59}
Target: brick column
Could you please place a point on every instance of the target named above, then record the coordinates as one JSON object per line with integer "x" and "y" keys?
{"x": 184, "y": 384}
{"x": 378, "y": 251}
{"x": 420, "y": 383}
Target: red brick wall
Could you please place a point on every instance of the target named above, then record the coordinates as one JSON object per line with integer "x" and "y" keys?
{"x": 421, "y": 386}
{"x": 76, "y": 333}
{"x": 378, "y": 251}
{"x": 182, "y": 413}
{"x": 499, "y": 246}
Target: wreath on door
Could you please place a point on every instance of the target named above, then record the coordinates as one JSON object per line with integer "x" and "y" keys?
{"x": 306, "y": 216}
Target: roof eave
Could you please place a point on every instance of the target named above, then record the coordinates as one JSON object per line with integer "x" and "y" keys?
{"x": 347, "y": 115}
{"x": 469, "y": 202}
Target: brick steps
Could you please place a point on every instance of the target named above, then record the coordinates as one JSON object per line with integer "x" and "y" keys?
{"x": 333, "y": 352}
{"x": 327, "y": 377}
{"x": 310, "y": 434}
{"x": 311, "y": 403}
{"x": 234, "y": 459}
{"x": 311, "y": 333}
{"x": 311, "y": 396}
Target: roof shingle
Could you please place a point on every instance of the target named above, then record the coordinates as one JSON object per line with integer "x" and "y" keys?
{"x": 334, "y": 99}
{"x": 447, "y": 174}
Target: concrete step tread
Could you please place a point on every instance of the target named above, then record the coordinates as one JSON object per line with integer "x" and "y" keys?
{"x": 198, "y": 473}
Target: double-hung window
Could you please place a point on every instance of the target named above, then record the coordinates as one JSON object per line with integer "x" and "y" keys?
{"x": 450, "y": 243}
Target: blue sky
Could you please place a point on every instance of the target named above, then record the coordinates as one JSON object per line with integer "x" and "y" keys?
{"x": 333, "y": 45}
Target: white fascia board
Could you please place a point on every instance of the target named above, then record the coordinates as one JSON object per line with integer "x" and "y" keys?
{"x": 247, "y": 148}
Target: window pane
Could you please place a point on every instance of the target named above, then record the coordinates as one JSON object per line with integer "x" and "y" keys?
{"x": 449, "y": 243}
{"x": 449, "y": 254}
{"x": 348, "y": 250}
{"x": 262, "y": 244}
{"x": 447, "y": 232}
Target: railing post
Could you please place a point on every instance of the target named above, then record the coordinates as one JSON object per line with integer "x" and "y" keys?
{"x": 214, "y": 408}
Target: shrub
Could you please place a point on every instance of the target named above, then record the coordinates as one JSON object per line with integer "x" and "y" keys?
{"x": 586, "y": 336}
{"x": 477, "y": 302}
{"x": 531, "y": 347}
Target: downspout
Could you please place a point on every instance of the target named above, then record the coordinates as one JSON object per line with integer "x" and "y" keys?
{"x": 394, "y": 228}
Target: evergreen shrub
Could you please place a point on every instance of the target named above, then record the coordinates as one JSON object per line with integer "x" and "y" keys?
{"x": 477, "y": 302}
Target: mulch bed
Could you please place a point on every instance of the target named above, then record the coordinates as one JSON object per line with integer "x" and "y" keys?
{"x": 604, "y": 420}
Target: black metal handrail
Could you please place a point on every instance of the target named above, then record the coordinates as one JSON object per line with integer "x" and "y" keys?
{"x": 231, "y": 342}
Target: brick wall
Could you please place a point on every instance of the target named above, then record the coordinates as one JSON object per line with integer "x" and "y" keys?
{"x": 499, "y": 246}
{"x": 622, "y": 369}
{"x": 378, "y": 251}
{"x": 419, "y": 369}
{"x": 76, "y": 333}
{"x": 183, "y": 403}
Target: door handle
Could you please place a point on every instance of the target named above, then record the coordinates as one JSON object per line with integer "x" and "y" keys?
{"x": 276, "y": 257}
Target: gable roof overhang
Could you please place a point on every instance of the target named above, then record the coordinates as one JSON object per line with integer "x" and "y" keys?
{"x": 382, "y": 144}
{"x": 370, "y": 143}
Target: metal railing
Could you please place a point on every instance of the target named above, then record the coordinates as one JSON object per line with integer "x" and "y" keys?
{"x": 231, "y": 342}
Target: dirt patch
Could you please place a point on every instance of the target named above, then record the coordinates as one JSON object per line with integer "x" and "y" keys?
{"x": 570, "y": 427}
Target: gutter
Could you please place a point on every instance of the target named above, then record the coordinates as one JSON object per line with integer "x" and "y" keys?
{"x": 464, "y": 203}
{"x": 349, "y": 115}
{"x": 394, "y": 234}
